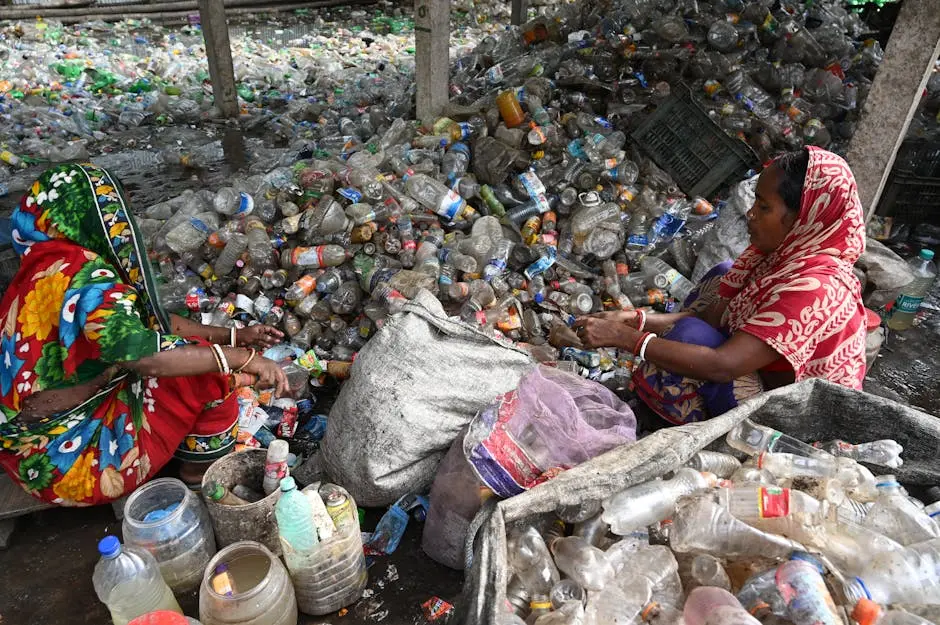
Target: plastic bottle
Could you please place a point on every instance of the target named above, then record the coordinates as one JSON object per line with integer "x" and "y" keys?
{"x": 219, "y": 494}
{"x": 661, "y": 275}
{"x": 907, "y": 575}
{"x": 582, "y": 562}
{"x": 233, "y": 250}
{"x": 895, "y": 516}
{"x": 884, "y": 452}
{"x": 509, "y": 108}
{"x": 647, "y": 503}
{"x": 437, "y": 198}
{"x": 316, "y": 256}
{"x": 228, "y": 201}
{"x": 715, "y": 606}
{"x": 188, "y": 235}
{"x": 803, "y": 588}
{"x": 275, "y": 465}
{"x": 722, "y": 465}
{"x": 127, "y": 580}
{"x": 867, "y": 612}
{"x": 295, "y": 526}
{"x": 752, "y": 439}
{"x": 456, "y": 161}
{"x": 259, "y": 244}
{"x": 533, "y": 564}
{"x": 707, "y": 570}
{"x": 908, "y": 302}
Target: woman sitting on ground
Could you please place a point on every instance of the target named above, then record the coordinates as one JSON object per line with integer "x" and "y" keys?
{"x": 98, "y": 389}
{"x": 788, "y": 309}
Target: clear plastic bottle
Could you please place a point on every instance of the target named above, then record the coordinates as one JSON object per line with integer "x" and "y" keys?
{"x": 802, "y": 586}
{"x": 885, "y": 452}
{"x": 259, "y": 244}
{"x": 895, "y": 516}
{"x": 701, "y": 525}
{"x": 582, "y": 562}
{"x": 707, "y": 570}
{"x": 867, "y": 612}
{"x": 437, "y": 198}
{"x": 722, "y": 465}
{"x": 189, "y": 234}
{"x": 295, "y": 525}
{"x": 275, "y": 465}
{"x": 317, "y": 256}
{"x": 127, "y": 580}
{"x": 908, "y": 302}
{"x": 661, "y": 275}
{"x": 647, "y": 503}
{"x": 715, "y": 606}
{"x": 228, "y": 201}
{"x": 760, "y": 591}
{"x": 228, "y": 257}
{"x": 532, "y": 562}
{"x": 907, "y": 575}
{"x": 499, "y": 257}
{"x": 752, "y": 439}
{"x": 456, "y": 161}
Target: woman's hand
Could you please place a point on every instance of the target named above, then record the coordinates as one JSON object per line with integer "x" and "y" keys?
{"x": 597, "y": 332}
{"x": 269, "y": 374}
{"x": 260, "y": 336}
{"x": 629, "y": 317}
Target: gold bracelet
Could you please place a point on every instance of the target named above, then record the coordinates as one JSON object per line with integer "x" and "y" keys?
{"x": 251, "y": 357}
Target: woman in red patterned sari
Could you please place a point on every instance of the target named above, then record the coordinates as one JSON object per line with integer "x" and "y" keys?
{"x": 790, "y": 307}
{"x": 98, "y": 387}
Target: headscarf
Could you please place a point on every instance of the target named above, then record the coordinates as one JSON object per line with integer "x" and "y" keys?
{"x": 85, "y": 205}
{"x": 803, "y": 299}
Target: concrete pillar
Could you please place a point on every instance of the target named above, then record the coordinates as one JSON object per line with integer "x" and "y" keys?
{"x": 219, "y": 54}
{"x": 432, "y": 57}
{"x": 899, "y": 83}
{"x": 518, "y": 12}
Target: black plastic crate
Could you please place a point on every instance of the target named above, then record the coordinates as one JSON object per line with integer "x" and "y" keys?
{"x": 919, "y": 157}
{"x": 911, "y": 199}
{"x": 694, "y": 150}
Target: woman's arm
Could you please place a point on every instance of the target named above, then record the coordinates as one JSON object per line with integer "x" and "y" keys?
{"x": 261, "y": 336}
{"x": 738, "y": 356}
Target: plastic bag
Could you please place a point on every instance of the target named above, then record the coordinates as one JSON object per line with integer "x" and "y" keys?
{"x": 552, "y": 422}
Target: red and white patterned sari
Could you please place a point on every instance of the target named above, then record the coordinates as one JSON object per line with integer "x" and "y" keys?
{"x": 803, "y": 299}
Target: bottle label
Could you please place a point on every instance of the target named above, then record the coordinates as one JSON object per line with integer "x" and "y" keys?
{"x": 275, "y": 470}
{"x": 541, "y": 265}
{"x": 246, "y": 204}
{"x": 638, "y": 240}
{"x": 667, "y": 226}
{"x": 773, "y": 502}
{"x": 307, "y": 256}
{"x": 907, "y": 304}
{"x": 193, "y": 297}
{"x": 198, "y": 224}
{"x": 532, "y": 184}
{"x": 575, "y": 149}
{"x": 450, "y": 205}
{"x": 243, "y": 302}
{"x": 494, "y": 75}
{"x": 351, "y": 194}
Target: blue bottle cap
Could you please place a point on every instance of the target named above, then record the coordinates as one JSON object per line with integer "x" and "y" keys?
{"x": 926, "y": 254}
{"x": 109, "y": 546}
{"x": 288, "y": 483}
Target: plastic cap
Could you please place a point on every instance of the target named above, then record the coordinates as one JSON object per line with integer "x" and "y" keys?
{"x": 866, "y": 612}
{"x": 809, "y": 559}
{"x": 288, "y": 483}
{"x": 109, "y": 546}
{"x": 926, "y": 254}
{"x": 539, "y": 298}
{"x": 886, "y": 481}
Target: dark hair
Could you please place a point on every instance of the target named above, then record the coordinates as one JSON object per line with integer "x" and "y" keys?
{"x": 792, "y": 166}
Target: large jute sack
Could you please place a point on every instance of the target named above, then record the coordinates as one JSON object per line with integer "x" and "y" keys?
{"x": 413, "y": 387}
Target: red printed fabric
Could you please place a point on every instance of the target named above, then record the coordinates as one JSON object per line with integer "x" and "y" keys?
{"x": 803, "y": 299}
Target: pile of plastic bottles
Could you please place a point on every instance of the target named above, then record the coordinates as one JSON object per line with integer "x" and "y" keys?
{"x": 798, "y": 535}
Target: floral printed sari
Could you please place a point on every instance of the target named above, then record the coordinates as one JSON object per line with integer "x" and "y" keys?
{"x": 82, "y": 303}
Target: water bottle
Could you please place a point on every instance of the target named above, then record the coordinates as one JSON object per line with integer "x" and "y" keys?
{"x": 127, "y": 580}
{"x": 228, "y": 201}
{"x": 230, "y": 254}
{"x": 456, "y": 161}
{"x": 907, "y": 575}
{"x": 707, "y": 570}
{"x": 802, "y": 586}
{"x": 316, "y": 256}
{"x": 437, "y": 198}
{"x": 715, "y": 606}
{"x": 885, "y": 452}
{"x": 897, "y": 517}
{"x": 752, "y": 439}
{"x": 295, "y": 526}
{"x": 532, "y": 562}
{"x": 259, "y": 244}
{"x": 722, "y": 465}
{"x": 650, "y": 502}
{"x": 582, "y": 562}
{"x": 659, "y": 274}
{"x": 498, "y": 259}
{"x": 908, "y": 302}
{"x": 190, "y": 234}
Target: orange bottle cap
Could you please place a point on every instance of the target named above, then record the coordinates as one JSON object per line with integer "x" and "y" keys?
{"x": 866, "y": 612}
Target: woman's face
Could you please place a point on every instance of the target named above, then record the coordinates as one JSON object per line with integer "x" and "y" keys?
{"x": 769, "y": 220}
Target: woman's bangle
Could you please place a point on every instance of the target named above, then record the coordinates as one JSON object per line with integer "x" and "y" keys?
{"x": 642, "y": 315}
{"x": 224, "y": 368}
{"x": 646, "y": 342}
{"x": 233, "y": 340}
{"x": 639, "y": 342}
{"x": 251, "y": 356}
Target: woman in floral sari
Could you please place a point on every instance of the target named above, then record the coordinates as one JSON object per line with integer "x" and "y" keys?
{"x": 98, "y": 389}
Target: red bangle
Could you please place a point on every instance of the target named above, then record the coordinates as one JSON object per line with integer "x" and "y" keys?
{"x": 636, "y": 348}
{"x": 642, "y": 323}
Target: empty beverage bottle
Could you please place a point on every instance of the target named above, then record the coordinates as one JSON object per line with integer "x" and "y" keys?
{"x": 533, "y": 564}
{"x": 455, "y": 162}
{"x": 707, "y": 570}
{"x": 715, "y": 606}
{"x": 582, "y": 562}
{"x": 897, "y": 517}
{"x": 867, "y": 612}
{"x": 190, "y": 234}
{"x": 650, "y": 502}
{"x": 564, "y": 591}
{"x": 228, "y": 201}
{"x": 230, "y": 254}
{"x": 661, "y": 275}
{"x": 759, "y": 593}
{"x": 295, "y": 525}
{"x": 722, "y": 465}
{"x": 752, "y": 439}
{"x": 907, "y": 575}
{"x": 885, "y": 452}
{"x": 275, "y": 465}
{"x": 259, "y": 244}
{"x": 803, "y": 588}
{"x": 437, "y": 198}
{"x": 219, "y": 494}
{"x": 127, "y": 580}
{"x": 317, "y": 256}
{"x": 908, "y": 302}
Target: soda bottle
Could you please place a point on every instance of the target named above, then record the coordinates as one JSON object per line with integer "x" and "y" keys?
{"x": 316, "y": 256}
{"x": 662, "y": 276}
{"x": 127, "y": 579}
{"x": 437, "y": 198}
{"x": 455, "y": 162}
{"x": 228, "y": 201}
{"x": 275, "y": 465}
{"x": 907, "y": 575}
{"x": 908, "y": 302}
